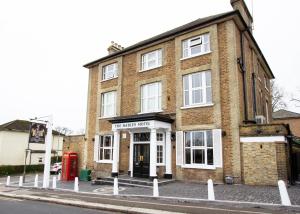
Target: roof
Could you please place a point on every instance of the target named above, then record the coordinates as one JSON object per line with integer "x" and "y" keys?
{"x": 284, "y": 114}
{"x": 21, "y": 126}
{"x": 184, "y": 28}
{"x": 188, "y": 26}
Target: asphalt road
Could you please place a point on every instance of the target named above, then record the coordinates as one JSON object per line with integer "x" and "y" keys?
{"x": 16, "y": 206}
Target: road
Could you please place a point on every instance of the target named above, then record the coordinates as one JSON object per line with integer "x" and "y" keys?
{"x": 16, "y": 206}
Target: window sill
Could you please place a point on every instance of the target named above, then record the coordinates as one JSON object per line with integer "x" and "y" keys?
{"x": 105, "y": 161}
{"x": 194, "y": 166}
{"x": 197, "y": 106}
{"x": 148, "y": 69}
{"x": 106, "y": 117}
{"x": 159, "y": 111}
{"x": 160, "y": 164}
{"x": 109, "y": 79}
{"x": 201, "y": 54}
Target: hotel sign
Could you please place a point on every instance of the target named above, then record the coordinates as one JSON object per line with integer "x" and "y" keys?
{"x": 132, "y": 125}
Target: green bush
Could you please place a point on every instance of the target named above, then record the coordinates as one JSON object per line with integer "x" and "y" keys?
{"x": 10, "y": 170}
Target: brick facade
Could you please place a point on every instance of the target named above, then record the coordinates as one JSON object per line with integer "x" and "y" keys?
{"x": 226, "y": 112}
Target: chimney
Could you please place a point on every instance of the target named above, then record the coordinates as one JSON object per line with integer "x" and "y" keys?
{"x": 241, "y": 6}
{"x": 114, "y": 47}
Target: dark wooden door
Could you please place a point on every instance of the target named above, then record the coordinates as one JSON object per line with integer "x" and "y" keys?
{"x": 141, "y": 160}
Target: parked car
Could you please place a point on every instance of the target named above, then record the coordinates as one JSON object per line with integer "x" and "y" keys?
{"x": 55, "y": 168}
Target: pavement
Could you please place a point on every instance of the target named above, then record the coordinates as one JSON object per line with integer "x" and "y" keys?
{"x": 174, "y": 197}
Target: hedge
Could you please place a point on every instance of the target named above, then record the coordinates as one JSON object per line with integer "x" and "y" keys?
{"x": 10, "y": 170}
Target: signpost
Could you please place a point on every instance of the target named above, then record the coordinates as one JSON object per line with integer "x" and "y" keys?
{"x": 48, "y": 153}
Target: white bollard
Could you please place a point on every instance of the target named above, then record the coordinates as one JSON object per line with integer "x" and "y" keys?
{"x": 210, "y": 190}
{"x": 59, "y": 176}
{"x": 285, "y": 199}
{"x": 76, "y": 189}
{"x": 21, "y": 181}
{"x": 54, "y": 183}
{"x": 116, "y": 187}
{"x": 36, "y": 181}
{"x": 8, "y": 181}
{"x": 155, "y": 188}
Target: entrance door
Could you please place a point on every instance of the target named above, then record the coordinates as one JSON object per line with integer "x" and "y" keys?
{"x": 141, "y": 160}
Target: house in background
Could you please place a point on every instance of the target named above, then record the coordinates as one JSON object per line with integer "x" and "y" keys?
{"x": 192, "y": 103}
{"x": 288, "y": 117}
{"x": 14, "y": 137}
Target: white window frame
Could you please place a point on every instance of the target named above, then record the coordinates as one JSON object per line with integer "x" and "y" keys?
{"x": 106, "y": 106}
{"x": 106, "y": 71}
{"x": 192, "y": 148}
{"x": 202, "y": 88}
{"x": 145, "y": 97}
{"x": 162, "y": 144}
{"x": 103, "y": 148}
{"x": 146, "y": 59}
{"x": 187, "y": 45}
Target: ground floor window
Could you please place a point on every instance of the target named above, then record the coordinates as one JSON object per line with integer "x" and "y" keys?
{"x": 198, "y": 148}
{"x": 160, "y": 154}
{"x": 105, "y": 151}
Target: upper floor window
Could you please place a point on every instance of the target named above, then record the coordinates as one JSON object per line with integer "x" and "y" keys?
{"x": 196, "y": 46}
{"x": 266, "y": 82}
{"x": 108, "y": 107}
{"x": 198, "y": 148}
{"x": 197, "y": 88}
{"x": 151, "y": 97}
{"x": 151, "y": 60}
{"x": 110, "y": 71}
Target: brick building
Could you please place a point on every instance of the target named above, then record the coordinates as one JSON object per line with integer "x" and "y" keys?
{"x": 173, "y": 105}
{"x": 288, "y": 117}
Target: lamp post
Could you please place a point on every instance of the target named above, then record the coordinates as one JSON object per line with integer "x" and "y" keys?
{"x": 48, "y": 153}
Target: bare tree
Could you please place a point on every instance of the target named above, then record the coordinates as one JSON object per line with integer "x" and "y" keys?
{"x": 278, "y": 95}
{"x": 296, "y": 100}
{"x": 63, "y": 130}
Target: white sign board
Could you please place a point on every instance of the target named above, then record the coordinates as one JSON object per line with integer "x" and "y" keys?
{"x": 132, "y": 125}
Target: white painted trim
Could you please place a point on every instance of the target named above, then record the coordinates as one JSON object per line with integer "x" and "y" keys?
{"x": 104, "y": 161}
{"x": 263, "y": 139}
{"x": 197, "y": 106}
{"x": 189, "y": 57}
{"x": 197, "y": 166}
{"x": 116, "y": 77}
{"x": 148, "y": 69}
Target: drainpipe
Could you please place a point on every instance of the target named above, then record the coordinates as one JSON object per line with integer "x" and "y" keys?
{"x": 290, "y": 151}
{"x": 242, "y": 64}
{"x": 254, "y": 94}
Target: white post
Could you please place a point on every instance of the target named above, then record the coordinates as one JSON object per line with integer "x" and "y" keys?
{"x": 155, "y": 188}
{"x": 76, "y": 189}
{"x": 36, "y": 181}
{"x": 21, "y": 181}
{"x": 48, "y": 153}
{"x": 59, "y": 176}
{"x": 116, "y": 187}
{"x": 131, "y": 155}
{"x": 115, "y": 165}
{"x": 168, "y": 173}
{"x": 210, "y": 190}
{"x": 153, "y": 154}
{"x": 54, "y": 183}
{"x": 8, "y": 181}
{"x": 285, "y": 199}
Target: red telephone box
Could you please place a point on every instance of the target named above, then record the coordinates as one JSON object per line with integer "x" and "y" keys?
{"x": 69, "y": 166}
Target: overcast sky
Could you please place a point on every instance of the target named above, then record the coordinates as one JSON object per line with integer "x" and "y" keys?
{"x": 44, "y": 43}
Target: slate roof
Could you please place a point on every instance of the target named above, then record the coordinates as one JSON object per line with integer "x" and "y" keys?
{"x": 284, "y": 114}
{"x": 20, "y": 126}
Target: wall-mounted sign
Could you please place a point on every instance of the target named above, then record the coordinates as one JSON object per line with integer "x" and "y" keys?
{"x": 131, "y": 125}
{"x": 37, "y": 133}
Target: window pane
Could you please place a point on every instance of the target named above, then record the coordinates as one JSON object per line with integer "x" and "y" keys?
{"x": 159, "y": 137}
{"x": 209, "y": 139}
{"x": 208, "y": 78}
{"x": 196, "y": 80}
{"x": 197, "y": 96}
{"x": 195, "y": 50}
{"x": 188, "y": 156}
{"x": 210, "y": 157}
{"x": 186, "y": 82}
{"x": 101, "y": 154}
{"x": 208, "y": 95}
{"x": 196, "y": 41}
{"x": 107, "y": 153}
{"x": 198, "y": 138}
{"x": 199, "y": 156}
{"x": 107, "y": 141}
{"x": 186, "y": 98}
{"x": 187, "y": 139}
